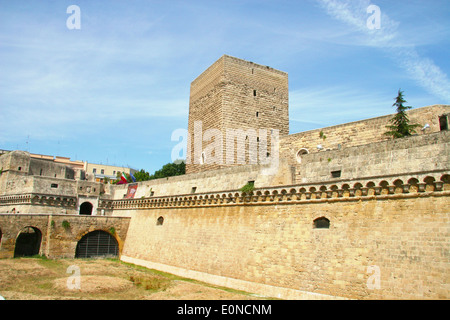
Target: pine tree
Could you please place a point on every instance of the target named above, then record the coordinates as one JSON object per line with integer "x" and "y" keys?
{"x": 400, "y": 123}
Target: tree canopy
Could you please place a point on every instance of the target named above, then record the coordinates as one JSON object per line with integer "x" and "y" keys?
{"x": 168, "y": 170}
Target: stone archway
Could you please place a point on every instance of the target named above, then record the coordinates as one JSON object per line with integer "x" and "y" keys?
{"x": 28, "y": 242}
{"x": 97, "y": 243}
{"x": 86, "y": 208}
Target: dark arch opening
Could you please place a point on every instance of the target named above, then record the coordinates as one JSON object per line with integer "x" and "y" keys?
{"x": 97, "y": 244}
{"x": 86, "y": 208}
{"x": 28, "y": 242}
{"x": 322, "y": 223}
{"x": 160, "y": 221}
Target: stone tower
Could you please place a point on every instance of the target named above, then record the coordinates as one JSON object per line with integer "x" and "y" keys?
{"x": 237, "y": 109}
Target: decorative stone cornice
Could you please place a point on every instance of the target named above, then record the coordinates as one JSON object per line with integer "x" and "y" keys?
{"x": 39, "y": 199}
{"x": 364, "y": 189}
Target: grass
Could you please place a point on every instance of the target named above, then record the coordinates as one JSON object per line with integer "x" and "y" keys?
{"x": 37, "y": 278}
{"x": 150, "y": 283}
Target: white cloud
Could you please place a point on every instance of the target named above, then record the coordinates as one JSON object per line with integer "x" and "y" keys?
{"x": 423, "y": 70}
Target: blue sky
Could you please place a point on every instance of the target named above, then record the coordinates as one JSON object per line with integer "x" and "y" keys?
{"x": 113, "y": 91}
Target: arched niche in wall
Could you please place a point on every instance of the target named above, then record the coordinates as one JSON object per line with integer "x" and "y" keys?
{"x": 300, "y": 154}
{"x": 321, "y": 223}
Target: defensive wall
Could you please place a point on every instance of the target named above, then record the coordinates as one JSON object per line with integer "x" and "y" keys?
{"x": 29, "y": 185}
{"x": 267, "y": 241}
{"x": 359, "y": 133}
{"x": 59, "y": 233}
{"x": 411, "y": 155}
{"x": 209, "y": 181}
{"x": 387, "y": 217}
{"x": 389, "y": 214}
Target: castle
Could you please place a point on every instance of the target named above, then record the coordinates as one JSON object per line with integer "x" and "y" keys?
{"x": 338, "y": 212}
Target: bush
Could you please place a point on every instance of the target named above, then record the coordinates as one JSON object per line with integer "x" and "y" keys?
{"x": 66, "y": 224}
{"x": 249, "y": 187}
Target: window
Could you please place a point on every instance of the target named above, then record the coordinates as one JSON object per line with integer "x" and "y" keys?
{"x": 193, "y": 189}
{"x": 322, "y": 223}
{"x": 160, "y": 221}
{"x": 254, "y": 93}
{"x": 20, "y": 168}
{"x": 94, "y": 170}
{"x": 54, "y": 185}
{"x": 102, "y": 171}
{"x": 257, "y": 114}
{"x": 336, "y": 174}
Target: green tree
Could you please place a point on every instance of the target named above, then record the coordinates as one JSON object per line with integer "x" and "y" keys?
{"x": 169, "y": 170}
{"x": 400, "y": 126}
{"x": 142, "y": 175}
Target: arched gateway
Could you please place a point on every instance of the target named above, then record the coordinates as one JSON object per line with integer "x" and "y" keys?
{"x": 86, "y": 208}
{"x": 28, "y": 242}
{"x": 97, "y": 244}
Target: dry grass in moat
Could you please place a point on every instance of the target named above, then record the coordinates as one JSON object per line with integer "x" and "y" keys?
{"x": 45, "y": 279}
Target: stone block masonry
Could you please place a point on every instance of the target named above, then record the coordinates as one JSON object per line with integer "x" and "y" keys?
{"x": 358, "y": 133}
{"x": 416, "y": 154}
{"x": 235, "y": 94}
{"x": 57, "y": 241}
{"x": 268, "y": 242}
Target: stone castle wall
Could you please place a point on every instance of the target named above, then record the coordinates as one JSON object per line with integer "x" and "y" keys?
{"x": 209, "y": 181}
{"x": 412, "y": 155}
{"x": 57, "y": 241}
{"x": 266, "y": 242}
{"x": 392, "y": 215}
{"x": 356, "y": 133}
